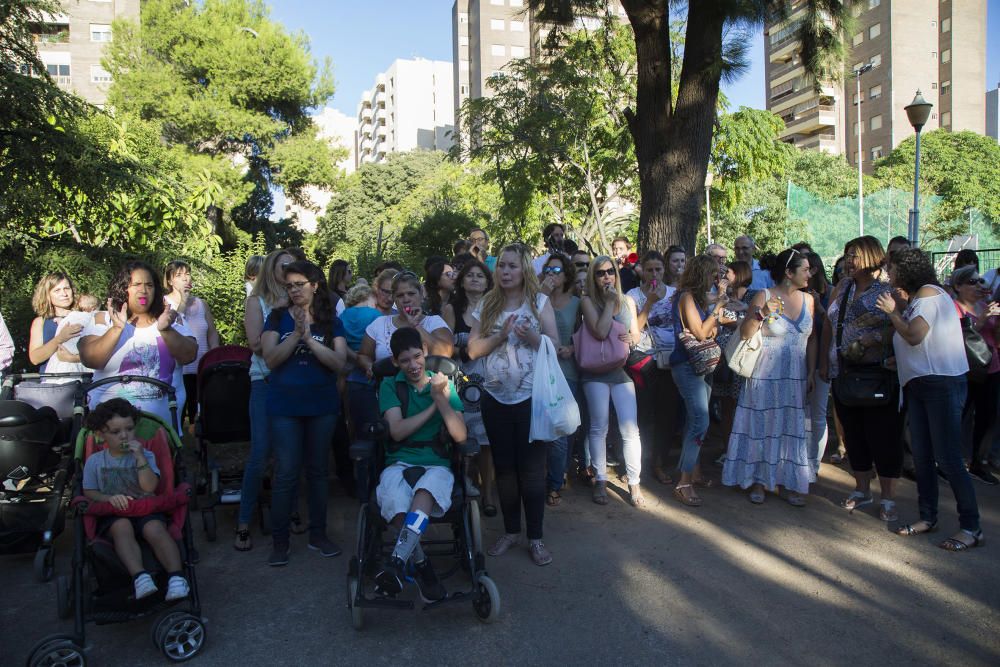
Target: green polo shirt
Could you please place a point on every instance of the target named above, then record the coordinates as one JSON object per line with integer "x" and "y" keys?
{"x": 418, "y": 402}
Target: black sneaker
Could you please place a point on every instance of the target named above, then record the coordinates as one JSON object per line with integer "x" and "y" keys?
{"x": 389, "y": 580}
{"x": 430, "y": 586}
{"x": 984, "y": 475}
{"x": 279, "y": 555}
{"x": 324, "y": 546}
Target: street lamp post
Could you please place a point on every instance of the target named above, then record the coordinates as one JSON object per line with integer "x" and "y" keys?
{"x": 917, "y": 111}
{"x": 708, "y": 205}
{"x": 861, "y": 193}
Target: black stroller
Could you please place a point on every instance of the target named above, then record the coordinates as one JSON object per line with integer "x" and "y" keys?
{"x": 223, "y": 418}
{"x": 36, "y": 462}
{"x": 465, "y": 547}
{"x": 100, "y": 589}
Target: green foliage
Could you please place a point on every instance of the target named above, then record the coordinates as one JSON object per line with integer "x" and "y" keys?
{"x": 220, "y": 283}
{"x": 434, "y": 234}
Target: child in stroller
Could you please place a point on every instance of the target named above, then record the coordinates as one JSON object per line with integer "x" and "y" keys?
{"x": 124, "y": 471}
{"x": 417, "y": 481}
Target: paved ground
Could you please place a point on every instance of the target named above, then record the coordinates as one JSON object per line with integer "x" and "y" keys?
{"x": 723, "y": 584}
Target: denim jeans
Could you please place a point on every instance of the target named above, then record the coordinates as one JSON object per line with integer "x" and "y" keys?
{"x": 818, "y": 402}
{"x": 260, "y": 451}
{"x": 695, "y": 390}
{"x": 556, "y": 454}
{"x": 935, "y": 409}
{"x": 300, "y": 442}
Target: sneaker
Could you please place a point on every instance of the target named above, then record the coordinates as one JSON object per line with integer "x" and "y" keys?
{"x": 983, "y": 474}
{"x": 279, "y": 555}
{"x": 389, "y": 580}
{"x": 504, "y": 544}
{"x": 177, "y": 588}
{"x": 144, "y": 586}
{"x": 430, "y": 587}
{"x": 539, "y": 554}
{"x": 324, "y": 546}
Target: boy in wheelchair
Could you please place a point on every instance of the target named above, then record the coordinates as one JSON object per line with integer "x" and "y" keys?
{"x": 417, "y": 481}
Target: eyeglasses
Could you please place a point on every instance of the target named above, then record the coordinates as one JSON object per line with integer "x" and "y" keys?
{"x": 556, "y": 270}
{"x": 581, "y": 265}
{"x": 717, "y": 257}
{"x": 477, "y": 239}
{"x": 295, "y": 287}
{"x": 600, "y": 273}
{"x": 975, "y": 281}
{"x": 449, "y": 274}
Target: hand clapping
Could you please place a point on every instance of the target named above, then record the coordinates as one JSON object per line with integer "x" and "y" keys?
{"x": 166, "y": 318}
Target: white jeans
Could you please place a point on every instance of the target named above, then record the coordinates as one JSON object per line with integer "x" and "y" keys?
{"x": 599, "y": 396}
{"x": 818, "y": 401}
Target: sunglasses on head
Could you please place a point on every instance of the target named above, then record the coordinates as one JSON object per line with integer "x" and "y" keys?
{"x": 792, "y": 254}
{"x": 552, "y": 270}
{"x": 401, "y": 276}
{"x": 600, "y": 273}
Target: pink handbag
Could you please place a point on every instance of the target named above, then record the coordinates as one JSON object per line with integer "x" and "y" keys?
{"x": 600, "y": 356}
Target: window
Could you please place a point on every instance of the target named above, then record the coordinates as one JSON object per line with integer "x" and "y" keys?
{"x": 858, "y": 38}
{"x": 463, "y": 40}
{"x": 875, "y": 92}
{"x": 100, "y": 32}
{"x": 875, "y": 31}
{"x": 875, "y": 123}
{"x": 497, "y": 2}
{"x": 463, "y": 89}
{"x": 516, "y": 26}
{"x": 57, "y": 70}
{"x": 946, "y": 119}
{"x": 876, "y": 60}
{"x": 945, "y": 87}
{"x": 855, "y": 128}
{"x": 934, "y": 85}
{"x": 463, "y": 17}
{"x": 496, "y": 24}
{"x": 872, "y": 4}
{"x": 933, "y": 24}
{"x": 876, "y": 152}
{"x": 855, "y": 96}
{"x": 99, "y": 75}
{"x": 946, "y": 56}
{"x": 517, "y": 52}
{"x": 946, "y": 25}
{"x": 498, "y": 50}
{"x": 856, "y": 67}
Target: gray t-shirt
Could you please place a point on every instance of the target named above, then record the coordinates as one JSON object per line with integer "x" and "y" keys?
{"x": 116, "y": 475}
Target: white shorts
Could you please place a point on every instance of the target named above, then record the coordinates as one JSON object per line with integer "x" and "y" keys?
{"x": 395, "y": 495}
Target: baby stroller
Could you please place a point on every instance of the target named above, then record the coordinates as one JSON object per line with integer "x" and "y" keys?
{"x": 465, "y": 546}
{"x": 223, "y": 417}
{"x": 36, "y": 423}
{"x": 100, "y": 589}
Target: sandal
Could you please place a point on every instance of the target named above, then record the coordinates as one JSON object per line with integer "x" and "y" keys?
{"x": 703, "y": 482}
{"x": 243, "y": 542}
{"x": 689, "y": 498}
{"x": 918, "y": 528}
{"x": 955, "y": 544}
{"x": 635, "y": 497}
{"x": 887, "y": 512}
{"x": 756, "y": 496}
{"x": 601, "y": 493}
{"x": 587, "y": 475}
{"x": 794, "y": 499}
{"x": 553, "y": 498}
{"x": 662, "y": 476}
{"x": 856, "y": 500}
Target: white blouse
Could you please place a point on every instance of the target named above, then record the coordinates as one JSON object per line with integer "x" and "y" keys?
{"x": 942, "y": 351}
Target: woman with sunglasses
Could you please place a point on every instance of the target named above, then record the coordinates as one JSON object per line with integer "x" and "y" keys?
{"x": 605, "y": 302}
{"x": 970, "y": 295}
{"x": 440, "y": 283}
{"x": 474, "y": 280}
{"x": 305, "y": 347}
{"x": 769, "y": 444}
{"x": 558, "y": 285}
{"x": 508, "y": 328}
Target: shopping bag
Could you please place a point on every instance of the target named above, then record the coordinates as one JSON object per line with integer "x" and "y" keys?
{"x": 554, "y": 412}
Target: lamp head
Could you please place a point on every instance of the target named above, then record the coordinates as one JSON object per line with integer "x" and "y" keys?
{"x": 918, "y": 111}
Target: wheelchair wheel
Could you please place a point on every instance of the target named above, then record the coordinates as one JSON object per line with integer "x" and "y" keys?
{"x": 487, "y": 599}
{"x": 357, "y": 613}
{"x": 179, "y": 636}
{"x": 57, "y": 650}
{"x": 64, "y": 597}
{"x": 45, "y": 564}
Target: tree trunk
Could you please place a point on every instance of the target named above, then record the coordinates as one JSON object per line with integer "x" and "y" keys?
{"x": 673, "y": 144}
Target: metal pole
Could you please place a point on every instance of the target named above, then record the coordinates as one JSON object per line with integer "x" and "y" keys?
{"x": 861, "y": 157}
{"x": 708, "y": 211}
{"x": 915, "y": 231}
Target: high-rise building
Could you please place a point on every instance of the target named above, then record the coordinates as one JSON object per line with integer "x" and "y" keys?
{"x": 911, "y": 44}
{"x": 411, "y": 106}
{"x": 338, "y": 129}
{"x": 71, "y": 44}
{"x": 993, "y": 113}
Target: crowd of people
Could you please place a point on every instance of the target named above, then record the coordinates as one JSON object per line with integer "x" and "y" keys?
{"x": 910, "y": 366}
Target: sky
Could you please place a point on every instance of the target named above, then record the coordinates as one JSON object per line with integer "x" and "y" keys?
{"x": 362, "y": 38}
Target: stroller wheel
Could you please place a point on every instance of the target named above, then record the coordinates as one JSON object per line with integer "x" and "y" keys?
{"x": 57, "y": 651}
{"x": 179, "y": 636}
{"x": 45, "y": 564}
{"x": 487, "y": 599}
{"x": 357, "y": 613}
{"x": 64, "y": 597}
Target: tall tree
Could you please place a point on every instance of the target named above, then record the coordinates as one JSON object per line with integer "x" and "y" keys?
{"x": 673, "y": 135}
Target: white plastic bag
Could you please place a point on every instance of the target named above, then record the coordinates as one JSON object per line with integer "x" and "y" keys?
{"x": 554, "y": 412}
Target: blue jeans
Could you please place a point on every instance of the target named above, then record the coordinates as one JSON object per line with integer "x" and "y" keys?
{"x": 935, "y": 409}
{"x": 298, "y": 442}
{"x": 260, "y": 451}
{"x": 695, "y": 390}
{"x": 557, "y": 453}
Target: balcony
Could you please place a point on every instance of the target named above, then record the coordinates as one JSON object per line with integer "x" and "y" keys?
{"x": 366, "y": 114}
{"x": 808, "y": 120}
{"x": 825, "y": 142}
{"x": 779, "y": 71}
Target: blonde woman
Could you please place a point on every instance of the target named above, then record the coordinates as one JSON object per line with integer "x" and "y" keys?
{"x": 603, "y": 303}
{"x": 54, "y": 299}
{"x": 507, "y": 329}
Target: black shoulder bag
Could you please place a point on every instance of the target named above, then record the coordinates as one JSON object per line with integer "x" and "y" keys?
{"x": 862, "y": 385}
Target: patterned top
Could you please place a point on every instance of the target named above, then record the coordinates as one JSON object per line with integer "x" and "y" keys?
{"x": 862, "y": 317}
{"x": 510, "y": 368}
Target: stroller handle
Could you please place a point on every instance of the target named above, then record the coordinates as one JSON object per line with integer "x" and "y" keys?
{"x": 168, "y": 389}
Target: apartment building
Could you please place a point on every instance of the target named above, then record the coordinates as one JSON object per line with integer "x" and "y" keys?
{"x": 993, "y": 113}
{"x": 935, "y": 46}
{"x": 410, "y": 106}
{"x": 71, "y": 44}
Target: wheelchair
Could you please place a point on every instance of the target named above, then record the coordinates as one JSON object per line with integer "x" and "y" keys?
{"x": 100, "y": 589}
{"x": 464, "y": 547}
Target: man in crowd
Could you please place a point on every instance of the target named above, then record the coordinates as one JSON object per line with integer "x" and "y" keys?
{"x": 620, "y": 249}
{"x": 479, "y": 241}
{"x": 554, "y": 236}
{"x": 744, "y": 248}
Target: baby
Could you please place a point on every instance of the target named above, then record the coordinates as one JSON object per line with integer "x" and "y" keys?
{"x": 88, "y": 303}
